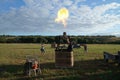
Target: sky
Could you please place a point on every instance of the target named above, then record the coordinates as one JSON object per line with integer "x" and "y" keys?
{"x": 37, "y": 17}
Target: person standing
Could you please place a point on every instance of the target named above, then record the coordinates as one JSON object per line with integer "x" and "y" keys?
{"x": 42, "y": 49}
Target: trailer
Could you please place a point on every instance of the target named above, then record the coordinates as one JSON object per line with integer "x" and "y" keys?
{"x": 114, "y": 57}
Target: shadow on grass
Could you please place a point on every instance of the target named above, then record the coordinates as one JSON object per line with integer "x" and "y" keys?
{"x": 93, "y": 70}
{"x": 8, "y": 71}
{"x": 14, "y": 72}
{"x": 82, "y": 70}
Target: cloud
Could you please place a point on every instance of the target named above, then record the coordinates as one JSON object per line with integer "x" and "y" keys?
{"x": 96, "y": 19}
{"x": 37, "y": 17}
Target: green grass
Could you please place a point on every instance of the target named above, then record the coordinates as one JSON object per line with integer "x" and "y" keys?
{"x": 87, "y": 66}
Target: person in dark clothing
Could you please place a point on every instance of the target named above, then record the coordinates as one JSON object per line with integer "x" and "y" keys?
{"x": 42, "y": 49}
{"x": 64, "y": 39}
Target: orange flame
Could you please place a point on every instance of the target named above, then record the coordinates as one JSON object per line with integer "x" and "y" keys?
{"x": 62, "y": 16}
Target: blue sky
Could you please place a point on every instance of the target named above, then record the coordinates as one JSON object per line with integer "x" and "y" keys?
{"x": 5, "y": 5}
{"x": 36, "y": 17}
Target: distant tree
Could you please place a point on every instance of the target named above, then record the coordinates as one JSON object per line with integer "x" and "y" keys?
{"x": 11, "y": 40}
{"x": 26, "y": 39}
{"x": 41, "y": 40}
{"x": 50, "y": 39}
{"x": 2, "y": 40}
{"x": 74, "y": 39}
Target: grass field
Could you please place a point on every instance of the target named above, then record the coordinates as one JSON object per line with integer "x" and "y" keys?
{"x": 88, "y": 66}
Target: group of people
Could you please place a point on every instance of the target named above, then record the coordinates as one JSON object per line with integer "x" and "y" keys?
{"x": 66, "y": 40}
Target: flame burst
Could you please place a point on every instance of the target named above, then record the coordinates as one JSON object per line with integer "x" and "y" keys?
{"x": 62, "y": 16}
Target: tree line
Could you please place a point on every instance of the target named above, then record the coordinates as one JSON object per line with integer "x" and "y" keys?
{"x": 51, "y": 39}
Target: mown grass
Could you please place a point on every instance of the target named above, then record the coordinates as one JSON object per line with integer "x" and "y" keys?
{"x": 87, "y": 66}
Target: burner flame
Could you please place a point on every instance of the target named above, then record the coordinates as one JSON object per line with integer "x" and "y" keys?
{"x": 62, "y": 16}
